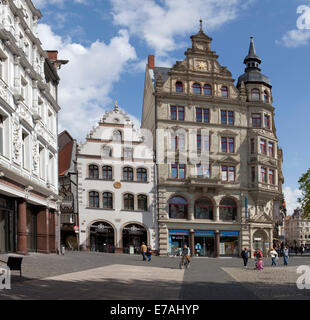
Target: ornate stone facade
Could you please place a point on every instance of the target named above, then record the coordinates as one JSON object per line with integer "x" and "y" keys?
{"x": 194, "y": 109}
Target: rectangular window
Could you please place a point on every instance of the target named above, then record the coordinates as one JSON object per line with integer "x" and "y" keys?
{"x": 253, "y": 174}
{"x": 271, "y": 177}
{"x": 267, "y": 121}
{"x": 263, "y": 146}
{"x": 177, "y": 113}
{"x": 178, "y": 171}
{"x": 227, "y": 117}
{"x": 228, "y": 144}
{"x": 178, "y": 142}
{"x": 198, "y": 114}
{"x": 203, "y": 171}
{"x": 206, "y": 115}
{"x": 199, "y": 142}
{"x": 256, "y": 120}
{"x": 228, "y": 173}
{"x": 263, "y": 175}
{"x": 1, "y": 135}
{"x": 271, "y": 149}
{"x": 25, "y": 151}
{"x": 252, "y": 146}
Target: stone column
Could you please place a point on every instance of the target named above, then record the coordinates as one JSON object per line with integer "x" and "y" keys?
{"x": 52, "y": 231}
{"x": 217, "y": 244}
{"x": 22, "y": 227}
{"x": 192, "y": 241}
{"x": 217, "y": 213}
{"x": 43, "y": 230}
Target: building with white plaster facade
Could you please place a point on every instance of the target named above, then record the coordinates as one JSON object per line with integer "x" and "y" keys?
{"x": 28, "y": 133}
{"x": 116, "y": 187}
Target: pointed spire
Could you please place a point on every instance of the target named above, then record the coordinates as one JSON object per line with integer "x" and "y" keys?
{"x": 201, "y": 27}
{"x": 252, "y": 52}
{"x": 252, "y": 60}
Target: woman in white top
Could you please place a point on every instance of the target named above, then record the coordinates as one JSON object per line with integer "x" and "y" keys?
{"x": 274, "y": 255}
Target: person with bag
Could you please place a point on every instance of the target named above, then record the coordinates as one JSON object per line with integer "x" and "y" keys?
{"x": 149, "y": 253}
{"x": 143, "y": 250}
{"x": 274, "y": 256}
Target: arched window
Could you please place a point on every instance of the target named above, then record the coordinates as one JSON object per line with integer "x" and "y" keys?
{"x": 129, "y": 201}
{"x": 142, "y": 202}
{"x": 204, "y": 209}
{"x": 178, "y": 208}
{"x": 197, "y": 88}
{"x": 255, "y": 95}
{"x": 266, "y": 97}
{"x": 107, "y": 173}
{"x": 128, "y": 174}
{"x": 93, "y": 172}
{"x": 107, "y": 199}
{"x": 94, "y": 199}
{"x": 179, "y": 86}
{"x": 224, "y": 92}
{"x": 117, "y": 136}
{"x": 141, "y": 174}
{"x": 228, "y": 209}
{"x": 207, "y": 90}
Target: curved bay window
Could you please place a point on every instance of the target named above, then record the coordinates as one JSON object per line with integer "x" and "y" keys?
{"x": 93, "y": 172}
{"x": 129, "y": 202}
{"x": 128, "y": 174}
{"x": 224, "y": 92}
{"x": 107, "y": 199}
{"x": 142, "y": 202}
{"x": 207, "y": 90}
{"x": 204, "y": 209}
{"x": 255, "y": 95}
{"x": 107, "y": 173}
{"x": 178, "y": 208}
{"x": 196, "y": 88}
{"x": 94, "y": 199}
{"x": 141, "y": 174}
{"x": 266, "y": 97}
{"x": 179, "y": 86}
{"x": 228, "y": 209}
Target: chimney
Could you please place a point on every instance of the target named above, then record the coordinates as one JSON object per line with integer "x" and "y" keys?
{"x": 52, "y": 55}
{"x": 151, "y": 62}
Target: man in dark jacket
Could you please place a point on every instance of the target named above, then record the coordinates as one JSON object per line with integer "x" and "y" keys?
{"x": 245, "y": 256}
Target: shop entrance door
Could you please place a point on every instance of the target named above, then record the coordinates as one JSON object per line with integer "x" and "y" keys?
{"x": 133, "y": 236}
{"x": 177, "y": 243}
{"x": 204, "y": 246}
{"x": 31, "y": 231}
{"x": 7, "y": 231}
{"x": 102, "y": 237}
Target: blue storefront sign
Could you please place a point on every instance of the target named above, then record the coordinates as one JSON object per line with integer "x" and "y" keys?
{"x": 204, "y": 233}
{"x": 229, "y": 233}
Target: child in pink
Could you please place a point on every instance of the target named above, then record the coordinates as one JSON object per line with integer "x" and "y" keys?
{"x": 260, "y": 264}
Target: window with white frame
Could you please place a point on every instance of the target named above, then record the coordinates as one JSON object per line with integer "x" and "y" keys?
{"x": 42, "y": 161}
{"x": 25, "y": 150}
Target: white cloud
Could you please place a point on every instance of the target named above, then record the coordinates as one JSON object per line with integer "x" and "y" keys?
{"x": 88, "y": 78}
{"x": 159, "y": 23}
{"x": 291, "y": 196}
{"x": 295, "y": 38}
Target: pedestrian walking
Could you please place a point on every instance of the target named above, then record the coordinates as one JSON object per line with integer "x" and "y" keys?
{"x": 143, "y": 250}
{"x": 257, "y": 255}
{"x": 260, "y": 264}
{"x": 245, "y": 257}
{"x": 285, "y": 256}
{"x": 274, "y": 257}
{"x": 149, "y": 253}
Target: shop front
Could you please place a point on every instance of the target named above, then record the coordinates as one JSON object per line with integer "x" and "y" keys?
{"x": 102, "y": 237}
{"x": 204, "y": 243}
{"x": 31, "y": 229}
{"x": 177, "y": 239}
{"x": 7, "y": 225}
{"x": 133, "y": 236}
{"x": 229, "y": 243}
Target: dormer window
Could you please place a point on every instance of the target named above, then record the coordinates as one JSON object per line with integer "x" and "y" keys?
{"x": 117, "y": 136}
{"x": 224, "y": 92}
{"x": 255, "y": 95}
{"x": 179, "y": 86}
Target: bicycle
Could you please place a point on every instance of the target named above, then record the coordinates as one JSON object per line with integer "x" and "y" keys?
{"x": 184, "y": 263}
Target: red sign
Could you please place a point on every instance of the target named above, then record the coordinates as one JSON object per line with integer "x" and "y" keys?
{"x": 76, "y": 228}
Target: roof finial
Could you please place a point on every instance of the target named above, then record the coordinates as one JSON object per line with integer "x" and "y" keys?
{"x": 115, "y": 106}
{"x": 200, "y": 24}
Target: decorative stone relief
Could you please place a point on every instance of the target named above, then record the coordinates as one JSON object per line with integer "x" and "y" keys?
{"x": 35, "y": 153}
{"x": 16, "y": 139}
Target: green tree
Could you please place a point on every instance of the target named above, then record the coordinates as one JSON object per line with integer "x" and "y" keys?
{"x": 304, "y": 186}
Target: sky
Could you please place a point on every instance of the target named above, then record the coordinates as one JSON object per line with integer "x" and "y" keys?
{"x": 107, "y": 43}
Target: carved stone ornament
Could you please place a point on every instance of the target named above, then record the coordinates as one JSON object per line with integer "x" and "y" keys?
{"x": 16, "y": 139}
{"x": 35, "y": 152}
{"x": 201, "y": 65}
